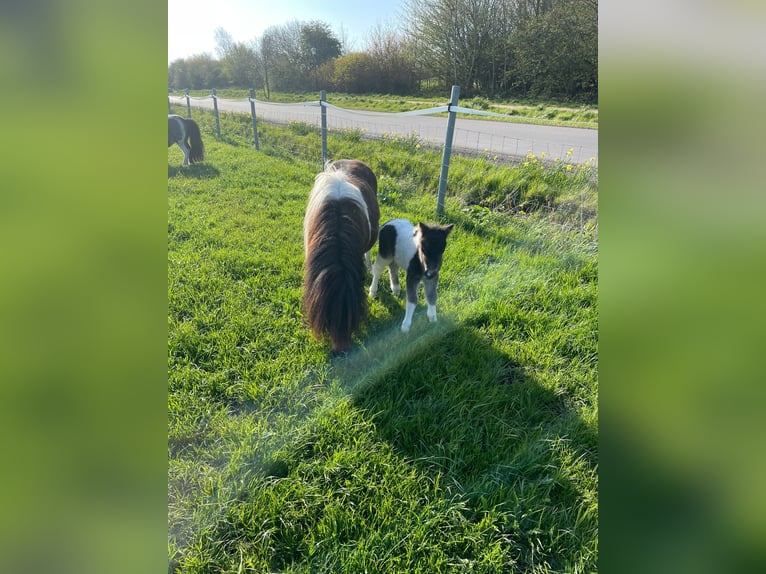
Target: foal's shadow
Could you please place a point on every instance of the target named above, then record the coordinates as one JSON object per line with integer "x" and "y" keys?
{"x": 195, "y": 170}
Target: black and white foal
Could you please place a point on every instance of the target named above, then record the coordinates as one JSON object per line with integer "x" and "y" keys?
{"x": 419, "y": 250}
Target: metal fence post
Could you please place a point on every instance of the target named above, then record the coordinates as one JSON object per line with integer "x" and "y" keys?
{"x": 188, "y": 104}
{"x": 215, "y": 109}
{"x": 322, "y": 100}
{"x": 447, "y": 150}
{"x": 252, "y": 113}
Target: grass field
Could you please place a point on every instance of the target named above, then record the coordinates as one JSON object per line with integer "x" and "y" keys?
{"x": 469, "y": 445}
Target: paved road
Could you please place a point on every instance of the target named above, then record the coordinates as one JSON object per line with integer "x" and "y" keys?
{"x": 476, "y": 136}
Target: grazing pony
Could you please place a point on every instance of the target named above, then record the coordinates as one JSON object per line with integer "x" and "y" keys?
{"x": 185, "y": 132}
{"x": 417, "y": 249}
{"x": 339, "y": 229}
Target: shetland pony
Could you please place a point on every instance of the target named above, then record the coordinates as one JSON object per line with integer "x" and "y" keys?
{"x": 417, "y": 249}
{"x": 339, "y": 229}
{"x": 185, "y": 132}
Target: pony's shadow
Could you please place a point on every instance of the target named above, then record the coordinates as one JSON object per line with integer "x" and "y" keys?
{"x": 195, "y": 170}
{"x": 468, "y": 414}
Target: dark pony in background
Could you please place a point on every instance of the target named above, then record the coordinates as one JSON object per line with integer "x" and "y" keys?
{"x": 339, "y": 229}
{"x": 185, "y": 132}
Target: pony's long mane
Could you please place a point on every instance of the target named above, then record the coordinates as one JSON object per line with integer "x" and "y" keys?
{"x": 337, "y": 229}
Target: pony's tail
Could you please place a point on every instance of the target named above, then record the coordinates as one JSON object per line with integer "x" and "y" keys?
{"x": 196, "y": 147}
{"x": 334, "y": 299}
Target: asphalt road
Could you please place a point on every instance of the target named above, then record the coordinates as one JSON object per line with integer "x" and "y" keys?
{"x": 484, "y": 137}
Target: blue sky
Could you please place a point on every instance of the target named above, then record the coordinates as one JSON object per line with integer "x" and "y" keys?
{"x": 192, "y": 23}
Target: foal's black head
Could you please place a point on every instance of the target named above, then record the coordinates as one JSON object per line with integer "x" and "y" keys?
{"x": 431, "y": 241}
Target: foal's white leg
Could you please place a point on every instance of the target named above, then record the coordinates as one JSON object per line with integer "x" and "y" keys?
{"x": 412, "y": 302}
{"x": 408, "y": 312}
{"x": 393, "y": 276}
{"x": 377, "y": 269}
{"x": 368, "y": 261}
{"x": 429, "y": 286}
{"x": 184, "y": 149}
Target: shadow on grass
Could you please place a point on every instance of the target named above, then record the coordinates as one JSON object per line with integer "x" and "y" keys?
{"x": 195, "y": 170}
{"x": 477, "y": 421}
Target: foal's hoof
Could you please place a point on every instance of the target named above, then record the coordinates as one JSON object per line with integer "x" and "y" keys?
{"x": 405, "y": 328}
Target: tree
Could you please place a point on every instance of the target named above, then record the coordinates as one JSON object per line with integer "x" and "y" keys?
{"x": 556, "y": 53}
{"x": 196, "y": 72}
{"x": 354, "y": 73}
{"x": 391, "y": 61}
{"x": 223, "y": 42}
{"x": 318, "y": 46}
{"x": 240, "y": 65}
{"x": 451, "y": 36}
{"x": 538, "y": 48}
{"x": 281, "y": 57}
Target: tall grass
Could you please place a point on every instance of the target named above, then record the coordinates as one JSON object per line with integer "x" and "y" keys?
{"x": 466, "y": 445}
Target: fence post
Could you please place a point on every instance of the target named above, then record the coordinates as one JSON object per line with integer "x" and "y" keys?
{"x": 252, "y": 113}
{"x": 188, "y": 104}
{"x": 447, "y": 150}
{"x": 322, "y": 100}
{"x": 215, "y": 110}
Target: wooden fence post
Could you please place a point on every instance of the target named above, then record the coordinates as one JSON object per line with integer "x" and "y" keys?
{"x": 447, "y": 150}
{"x": 215, "y": 109}
{"x": 252, "y": 113}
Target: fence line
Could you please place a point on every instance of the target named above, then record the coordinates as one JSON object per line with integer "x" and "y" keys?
{"x": 580, "y": 145}
{"x": 484, "y": 143}
{"x": 452, "y": 110}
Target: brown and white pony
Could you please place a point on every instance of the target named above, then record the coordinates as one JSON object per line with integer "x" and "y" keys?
{"x": 418, "y": 249}
{"x": 339, "y": 229}
{"x": 185, "y": 132}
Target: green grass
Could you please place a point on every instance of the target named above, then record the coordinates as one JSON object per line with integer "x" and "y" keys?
{"x": 543, "y": 113}
{"x": 466, "y": 445}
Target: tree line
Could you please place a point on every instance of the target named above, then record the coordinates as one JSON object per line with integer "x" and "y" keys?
{"x": 545, "y": 49}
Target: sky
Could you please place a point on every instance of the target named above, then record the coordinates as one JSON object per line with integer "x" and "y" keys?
{"x": 192, "y": 23}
